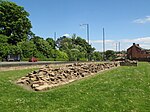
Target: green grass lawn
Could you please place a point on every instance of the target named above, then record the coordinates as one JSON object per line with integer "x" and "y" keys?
{"x": 125, "y": 89}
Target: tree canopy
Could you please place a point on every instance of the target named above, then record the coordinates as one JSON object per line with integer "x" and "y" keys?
{"x": 51, "y": 42}
{"x": 14, "y": 22}
{"x": 76, "y": 47}
{"x": 110, "y": 54}
{"x": 16, "y": 38}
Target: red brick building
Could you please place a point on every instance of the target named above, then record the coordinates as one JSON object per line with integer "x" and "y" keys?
{"x": 135, "y": 52}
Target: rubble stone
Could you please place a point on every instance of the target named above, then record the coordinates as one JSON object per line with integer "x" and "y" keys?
{"x": 48, "y": 77}
{"x": 128, "y": 63}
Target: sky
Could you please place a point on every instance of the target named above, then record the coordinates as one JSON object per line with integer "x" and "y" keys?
{"x": 124, "y": 21}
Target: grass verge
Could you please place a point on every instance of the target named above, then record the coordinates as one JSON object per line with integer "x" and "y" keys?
{"x": 122, "y": 89}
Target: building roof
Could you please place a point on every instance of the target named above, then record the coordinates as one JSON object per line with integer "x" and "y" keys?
{"x": 142, "y": 49}
{"x": 137, "y": 45}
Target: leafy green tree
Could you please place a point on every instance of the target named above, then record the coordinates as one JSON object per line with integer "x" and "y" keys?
{"x": 76, "y": 47}
{"x": 96, "y": 56}
{"x": 3, "y": 38}
{"x": 64, "y": 43}
{"x": 86, "y": 48}
{"x": 4, "y": 46}
{"x": 51, "y": 42}
{"x": 110, "y": 54}
{"x": 81, "y": 53}
{"x": 4, "y": 49}
{"x": 68, "y": 46}
{"x": 61, "y": 56}
{"x": 14, "y": 22}
{"x": 13, "y": 49}
{"x": 74, "y": 55}
{"x": 28, "y": 49}
{"x": 43, "y": 47}
{"x": 82, "y": 43}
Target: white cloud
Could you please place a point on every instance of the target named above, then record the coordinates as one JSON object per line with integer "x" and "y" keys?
{"x": 109, "y": 44}
{"x": 142, "y": 20}
{"x": 101, "y": 41}
{"x": 66, "y": 35}
{"x": 137, "y": 40}
{"x": 144, "y": 42}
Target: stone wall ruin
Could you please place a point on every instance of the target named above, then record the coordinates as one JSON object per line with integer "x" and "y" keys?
{"x": 48, "y": 77}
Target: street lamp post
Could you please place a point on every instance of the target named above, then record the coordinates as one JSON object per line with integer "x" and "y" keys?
{"x": 88, "y": 33}
{"x": 103, "y": 44}
{"x": 88, "y": 36}
{"x": 55, "y": 46}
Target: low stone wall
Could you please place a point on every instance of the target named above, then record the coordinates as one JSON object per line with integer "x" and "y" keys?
{"x": 128, "y": 63}
{"x": 48, "y": 77}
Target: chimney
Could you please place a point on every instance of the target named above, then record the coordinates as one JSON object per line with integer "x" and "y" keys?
{"x": 134, "y": 44}
{"x": 137, "y": 44}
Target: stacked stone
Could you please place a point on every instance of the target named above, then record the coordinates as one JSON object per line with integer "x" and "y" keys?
{"x": 128, "y": 63}
{"x": 48, "y": 77}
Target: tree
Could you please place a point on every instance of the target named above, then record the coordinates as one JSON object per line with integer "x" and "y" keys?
{"x": 81, "y": 42}
{"x": 4, "y": 50}
{"x": 51, "y": 42}
{"x": 14, "y": 22}
{"x": 76, "y": 48}
{"x": 87, "y": 49}
{"x": 61, "y": 56}
{"x": 14, "y": 49}
{"x": 110, "y": 54}
{"x": 96, "y": 56}
{"x": 4, "y": 46}
{"x": 64, "y": 43}
{"x": 28, "y": 49}
{"x": 3, "y": 39}
{"x": 43, "y": 47}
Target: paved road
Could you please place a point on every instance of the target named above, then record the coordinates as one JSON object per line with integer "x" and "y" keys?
{"x": 25, "y": 63}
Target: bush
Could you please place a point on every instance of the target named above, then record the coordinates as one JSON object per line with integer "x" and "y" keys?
{"x": 61, "y": 59}
{"x": 83, "y": 59}
{"x": 25, "y": 59}
{"x": 45, "y": 59}
{"x": 61, "y": 56}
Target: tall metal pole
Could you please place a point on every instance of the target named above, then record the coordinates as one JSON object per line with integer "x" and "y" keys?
{"x": 116, "y": 47}
{"x": 103, "y": 44}
{"x": 55, "y": 46}
{"x": 55, "y": 36}
{"x": 88, "y": 35}
{"x": 87, "y": 32}
{"x": 119, "y": 47}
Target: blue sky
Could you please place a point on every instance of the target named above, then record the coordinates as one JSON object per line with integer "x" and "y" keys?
{"x": 125, "y": 21}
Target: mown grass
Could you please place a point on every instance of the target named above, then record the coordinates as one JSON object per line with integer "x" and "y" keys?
{"x": 125, "y": 89}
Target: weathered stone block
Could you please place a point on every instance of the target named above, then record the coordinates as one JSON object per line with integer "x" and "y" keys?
{"x": 46, "y": 77}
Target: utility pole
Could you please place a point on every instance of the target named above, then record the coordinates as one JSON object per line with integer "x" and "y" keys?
{"x": 103, "y": 44}
{"x": 88, "y": 37}
{"x": 116, "y": 47}
{"x": 87, "y": 32}
{"x": 55, "y": 36}
{"x": 55, "y": 46}
{"x": 119, "y": 47}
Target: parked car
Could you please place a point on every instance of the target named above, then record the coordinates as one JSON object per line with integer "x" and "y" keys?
{"x": 11, "y": 57}
{"x": 33, "y": 59}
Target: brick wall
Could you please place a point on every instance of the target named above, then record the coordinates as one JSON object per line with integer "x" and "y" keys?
{"x": 135, "y": 52}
